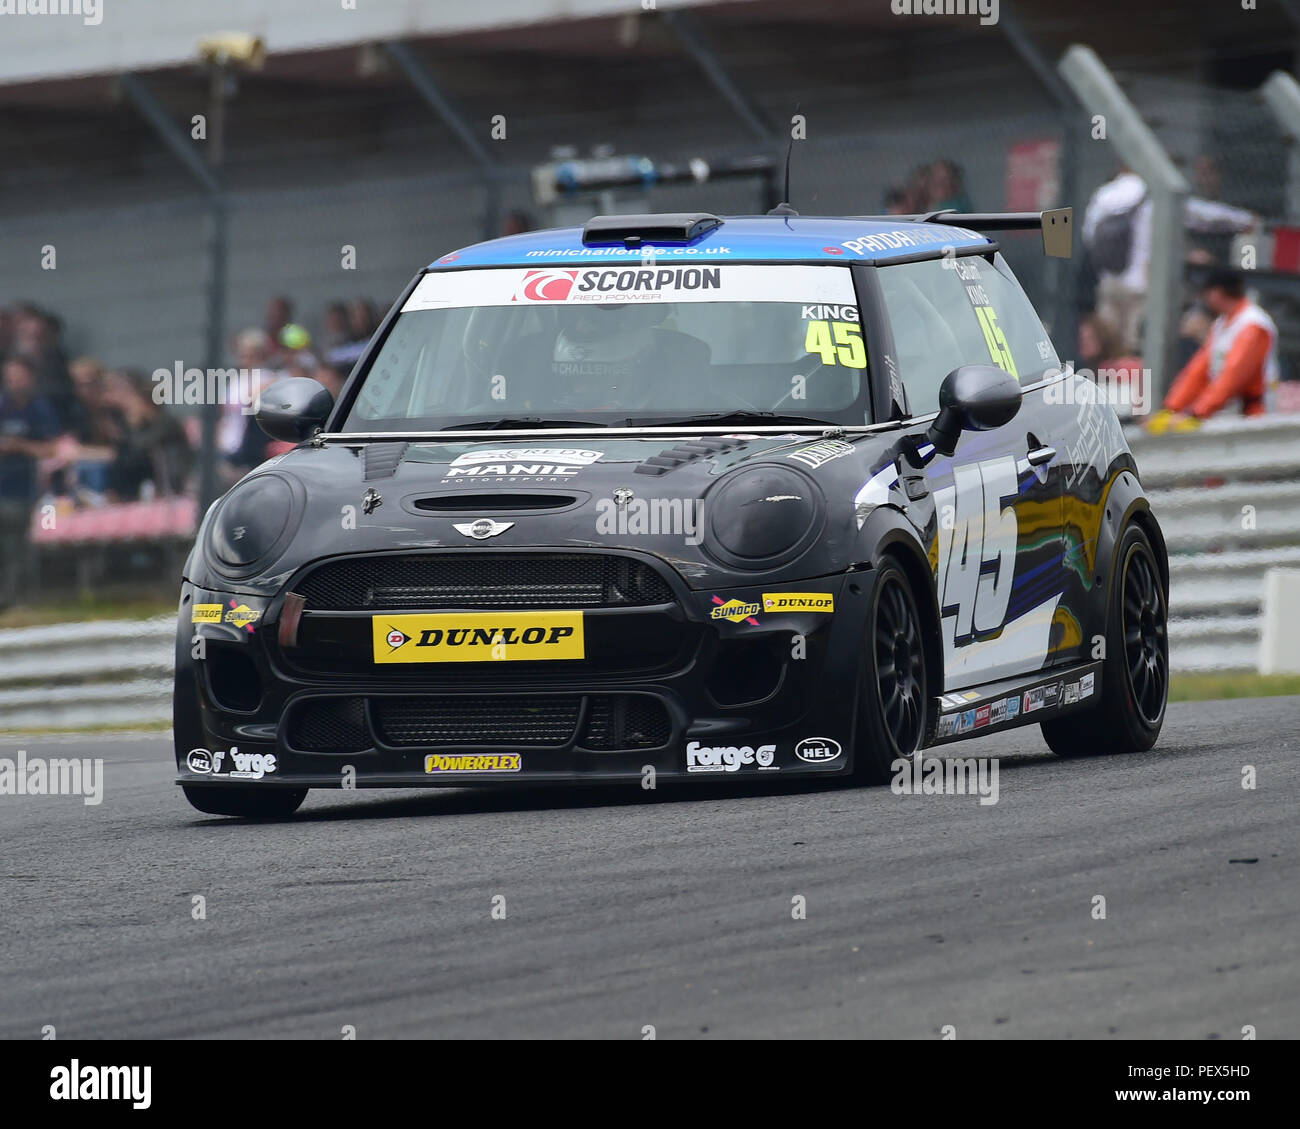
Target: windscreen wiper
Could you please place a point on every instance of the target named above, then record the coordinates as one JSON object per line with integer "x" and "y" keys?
{"x": 511, "y": 422}
{"x": 737, "y": 417}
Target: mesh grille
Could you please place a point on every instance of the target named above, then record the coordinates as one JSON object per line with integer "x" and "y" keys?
{"x": 626, "y": 721}
{"x": 468, "y": 719}
{"x": 482, "y": 580}
{"x": 329, "y": 725}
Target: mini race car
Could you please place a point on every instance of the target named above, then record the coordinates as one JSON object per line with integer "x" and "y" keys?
{"x": 706, "y": 498}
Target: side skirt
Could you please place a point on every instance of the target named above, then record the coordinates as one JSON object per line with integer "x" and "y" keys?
{"x": 1013, "y": 702}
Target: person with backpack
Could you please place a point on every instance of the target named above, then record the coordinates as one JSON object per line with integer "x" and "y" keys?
{"x": 1117, "y": 236}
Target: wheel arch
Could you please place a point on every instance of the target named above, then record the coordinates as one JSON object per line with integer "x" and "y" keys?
{"x": 1127, "y": 504}
{"x": 888, "y": 534}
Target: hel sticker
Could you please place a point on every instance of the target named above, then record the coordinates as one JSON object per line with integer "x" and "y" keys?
{"x": 798, "y": 602}
{"x": 836, "y": 342}
{"x": 206, "y": 613}
{"x": 483, "y": 762}
{"x": 818, "y": 750}
{"x": 453, "y": 637}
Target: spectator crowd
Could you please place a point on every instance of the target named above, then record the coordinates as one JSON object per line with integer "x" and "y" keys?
{"x": 76, "y": 433}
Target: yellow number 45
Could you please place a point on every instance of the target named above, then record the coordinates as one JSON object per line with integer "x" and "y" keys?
{"x": 996, "y": 340}
{"x": 846, "y": 346}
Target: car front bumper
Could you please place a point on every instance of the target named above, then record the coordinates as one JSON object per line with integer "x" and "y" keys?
{"x": 745, "y": 682}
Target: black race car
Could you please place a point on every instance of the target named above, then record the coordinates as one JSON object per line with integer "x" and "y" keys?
{"x": 683, "y": 496}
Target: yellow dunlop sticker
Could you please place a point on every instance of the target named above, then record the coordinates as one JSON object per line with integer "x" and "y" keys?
{"x": 470, "y": 762}
{"x": 466, "y": 637}
{"x": 798, "y": 602}
{"x": 206, "y": 613}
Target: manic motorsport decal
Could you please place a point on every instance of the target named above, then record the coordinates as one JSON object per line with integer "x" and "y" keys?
{"x": 520, "y": 462}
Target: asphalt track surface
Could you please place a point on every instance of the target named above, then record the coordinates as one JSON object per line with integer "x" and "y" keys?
{"x": 674, "y": 909}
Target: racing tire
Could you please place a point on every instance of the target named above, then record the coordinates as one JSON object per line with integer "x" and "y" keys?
{"x": 1130, "y": 709}
{"x": 251, "y": 803}
{"x": 892, "y": 679}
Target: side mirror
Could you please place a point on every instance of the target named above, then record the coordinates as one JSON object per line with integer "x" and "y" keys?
{"x": 973, "y": 398}
{"x": 293, "y": 408}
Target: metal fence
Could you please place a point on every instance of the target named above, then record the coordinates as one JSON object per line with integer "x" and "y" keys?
{"x": 1228, "y": 500}
{"x": 1227, "y": 497}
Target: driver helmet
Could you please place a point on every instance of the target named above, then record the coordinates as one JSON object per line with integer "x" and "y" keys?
{"x": 599, "y": 347}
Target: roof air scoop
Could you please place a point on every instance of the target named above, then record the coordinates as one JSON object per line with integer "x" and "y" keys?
{"x": 632, "y": 231}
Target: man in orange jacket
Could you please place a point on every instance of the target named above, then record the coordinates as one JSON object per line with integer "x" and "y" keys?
{"x": 1237, "y": 363}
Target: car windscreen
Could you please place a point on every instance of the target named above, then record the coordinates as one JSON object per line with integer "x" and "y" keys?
{"x": 618, "y": 343}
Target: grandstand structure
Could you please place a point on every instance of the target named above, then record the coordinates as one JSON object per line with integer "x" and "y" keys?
{"x": 343, "y": 146}
{"x": 403, "y": 130}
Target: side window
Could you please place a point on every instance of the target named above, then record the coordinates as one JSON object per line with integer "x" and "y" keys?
{"x": 933, "y": 324}
{"x": 1025, "y": 336}
{"x": 949, "y": 312}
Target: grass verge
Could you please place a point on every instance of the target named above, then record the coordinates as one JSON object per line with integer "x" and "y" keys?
{"x": 78, "y": 611}
{"x": 1231, "y": 684}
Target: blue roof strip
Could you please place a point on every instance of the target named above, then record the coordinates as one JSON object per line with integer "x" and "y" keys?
{"x": 739, "y": 239}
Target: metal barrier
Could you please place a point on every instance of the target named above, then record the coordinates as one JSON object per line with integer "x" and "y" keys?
{"x": 114, "y": 674}
{"x": 1227, "y": 497}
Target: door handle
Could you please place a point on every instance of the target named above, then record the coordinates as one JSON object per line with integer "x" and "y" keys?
{"x": 1040, "y": 455}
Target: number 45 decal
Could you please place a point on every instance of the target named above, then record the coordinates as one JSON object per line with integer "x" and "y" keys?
{"x": 977, "y": 548}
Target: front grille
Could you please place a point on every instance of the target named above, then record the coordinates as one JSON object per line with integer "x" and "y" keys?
{"x": 478, "y": 719}
{"x": 328, "y": 725}
{"x": 468, "y": 580}
{"x": 626, "y": 721}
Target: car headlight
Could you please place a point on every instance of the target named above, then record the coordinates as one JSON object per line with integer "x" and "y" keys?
{"x": 763, "y": 516}
{"x": 253, "y": 524}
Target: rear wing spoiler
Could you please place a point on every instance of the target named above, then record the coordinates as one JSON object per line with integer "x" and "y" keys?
{"x": 1056, "y": 224}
